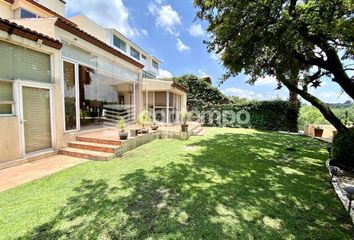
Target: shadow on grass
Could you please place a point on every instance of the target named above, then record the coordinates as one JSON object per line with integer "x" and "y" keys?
{"x": 229, "y": 186}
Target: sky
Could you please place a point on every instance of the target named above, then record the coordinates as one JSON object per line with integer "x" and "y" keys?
{"x": 169, "y": 30}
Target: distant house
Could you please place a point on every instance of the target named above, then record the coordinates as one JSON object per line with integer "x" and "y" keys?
{"x": 61, "y": 77}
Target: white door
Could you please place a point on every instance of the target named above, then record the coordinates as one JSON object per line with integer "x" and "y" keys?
{"x": 36, "y": 118}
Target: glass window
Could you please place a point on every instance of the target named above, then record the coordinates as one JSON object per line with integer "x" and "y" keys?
{"x": 160, "y": 99}
{"x": 155, "y": 64}
{"x": 27, "y": 14}
{"x": 143, "y": 56}
{"x": 134, "y": 53}
{"x": 69, "y": 96}
{"x": 119, "y": 43}
{"x": 171, "y": 99}
{"x": 17, "y": 62}
{"x": 23, "y": 13}
{"x": 148, "y": 75}
{"x": 6, "y": 98}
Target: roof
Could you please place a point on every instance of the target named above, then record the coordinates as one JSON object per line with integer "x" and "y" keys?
{"x": 163, "y": 85}
{"x": 73, "y": 29}
{"x": 13, "y": 28}
{"x": 179, "y": 86}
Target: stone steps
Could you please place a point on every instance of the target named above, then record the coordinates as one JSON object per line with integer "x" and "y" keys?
{"x": 92, "y": 148}
{"x": 99, "y": 141}
{"x": 87, "y": 154}
{"x": 98, "y": 147}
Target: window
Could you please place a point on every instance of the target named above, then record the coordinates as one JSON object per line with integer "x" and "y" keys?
{"x": 119, "y": 43}
{"x": 23, "y": 13}
{"x": 18, "y": 62}
{"x": 143, "y": 56}
{"x": 155, "y": 64}
{"x": 134, "y": 53}
{"x": 148, "y": 75}
{"x": 6, "y": 98}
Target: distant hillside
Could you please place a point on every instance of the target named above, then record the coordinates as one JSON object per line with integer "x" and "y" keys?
{"x": 311, "y": 115}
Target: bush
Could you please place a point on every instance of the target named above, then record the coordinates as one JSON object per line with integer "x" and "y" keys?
{"x": 265, "y": 115}
{"x": 343, "y": 148}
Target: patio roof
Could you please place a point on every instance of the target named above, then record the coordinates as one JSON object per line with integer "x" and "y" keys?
{"x": 162, "y": 85}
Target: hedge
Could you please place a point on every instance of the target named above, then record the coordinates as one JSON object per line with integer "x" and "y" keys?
{"x": 265, "y": 115}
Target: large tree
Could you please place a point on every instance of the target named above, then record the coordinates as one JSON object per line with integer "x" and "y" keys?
{"x": 313, "y": 38}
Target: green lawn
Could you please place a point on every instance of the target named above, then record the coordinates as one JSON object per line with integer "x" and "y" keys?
{"x": 228, "y": 184}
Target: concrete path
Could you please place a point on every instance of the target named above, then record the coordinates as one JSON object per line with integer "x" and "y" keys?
{"x": 14, "y": 176}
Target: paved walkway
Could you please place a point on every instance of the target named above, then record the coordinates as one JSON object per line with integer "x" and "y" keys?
{"x": 14, "y": 176}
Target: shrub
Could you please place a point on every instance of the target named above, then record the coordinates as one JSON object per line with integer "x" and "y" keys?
{"x": 343, "y": 148}
{"x": 265, "y": 115}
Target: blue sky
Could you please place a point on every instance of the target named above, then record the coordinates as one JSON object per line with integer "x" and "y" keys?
{"x": 167, "y": 29}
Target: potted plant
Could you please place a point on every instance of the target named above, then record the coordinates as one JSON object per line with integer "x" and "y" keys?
{"x": 154, "y": 126}
{"x": 184, "y": 118}
{"x": 123, "y": 135}
{"x": 144, "y": 119}
{"x": 318, "y": 131}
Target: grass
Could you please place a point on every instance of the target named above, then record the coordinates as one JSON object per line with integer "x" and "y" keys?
{"x": 229, "y": 184}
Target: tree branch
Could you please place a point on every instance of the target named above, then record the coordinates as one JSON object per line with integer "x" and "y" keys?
{"x": 323, "y": 107}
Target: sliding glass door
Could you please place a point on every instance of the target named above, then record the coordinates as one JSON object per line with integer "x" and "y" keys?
{"x": 95, "y": 98}
{"x": 70, "y": 96}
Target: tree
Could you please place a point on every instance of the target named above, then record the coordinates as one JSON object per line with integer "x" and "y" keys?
{"x": 280, "y": 37}
{"x": 200, "y": 92}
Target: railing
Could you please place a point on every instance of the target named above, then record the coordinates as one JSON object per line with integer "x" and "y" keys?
{"x": 112, "y": 114}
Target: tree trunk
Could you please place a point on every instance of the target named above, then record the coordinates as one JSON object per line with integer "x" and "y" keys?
{"x": 323, "y": 107}
{"x": 293, "y": 113}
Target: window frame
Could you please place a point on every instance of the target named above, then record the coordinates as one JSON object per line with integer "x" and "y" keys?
{"x": 153, "y": 63}
{"x": 10, "y": 102}
{"x": 136, "y": 51}
{"x": 116, "y": 38}
{"x": 18, "y": 12}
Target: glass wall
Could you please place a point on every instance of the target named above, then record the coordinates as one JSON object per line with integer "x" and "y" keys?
{"x": 70, "y": 96}
{"x": 164, "y": 106}
{"x": 105, "y": 91}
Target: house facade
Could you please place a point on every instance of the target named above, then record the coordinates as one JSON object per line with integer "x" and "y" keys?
{"x": 61, "y": 77}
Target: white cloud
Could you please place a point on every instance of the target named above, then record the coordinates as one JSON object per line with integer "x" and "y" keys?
{"x": 111, "y": 14}
{"x": 267, "y": 80}
{"x": 166, "y": 17}
{"x": 242, "y": 93}
{"x": 196, "y": 30}
{"x": 181, "y": 46}
{"x": 144, "y": 32}
{"x": 164, "y": 74}
{"x": 202, "y": 73}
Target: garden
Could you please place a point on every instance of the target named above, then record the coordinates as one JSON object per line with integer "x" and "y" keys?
{"x": 230, "y": 183}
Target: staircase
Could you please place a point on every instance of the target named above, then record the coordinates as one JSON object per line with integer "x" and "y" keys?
{"x": 92, "y": 148}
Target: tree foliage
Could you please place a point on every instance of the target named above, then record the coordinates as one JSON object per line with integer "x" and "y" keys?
{"x": 279, "y": 37}
{"x": 200, "y": 92}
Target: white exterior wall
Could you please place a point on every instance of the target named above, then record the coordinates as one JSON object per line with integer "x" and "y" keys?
{"x": 10, "y": 147}
{"x": 54, "y": 5}
{"x": 5, "y": 10}
{"x": 106, "y": 35}
{"x": 91, "y": 27}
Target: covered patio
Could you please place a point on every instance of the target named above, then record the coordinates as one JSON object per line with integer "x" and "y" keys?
{"x": 164, "y": 99}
